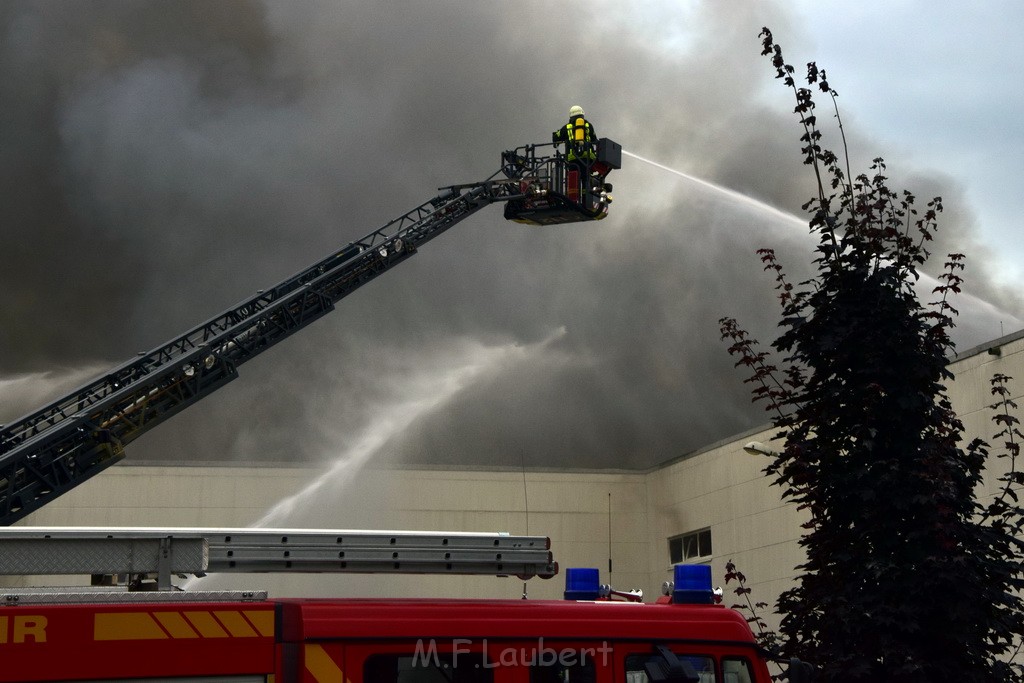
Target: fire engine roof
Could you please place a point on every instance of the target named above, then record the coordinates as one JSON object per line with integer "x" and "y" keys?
{"x": 415, "y": 618}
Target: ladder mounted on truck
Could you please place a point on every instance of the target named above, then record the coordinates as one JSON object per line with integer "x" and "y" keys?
{"x": 59, "y": 446}
{"x": 149, "y": 558}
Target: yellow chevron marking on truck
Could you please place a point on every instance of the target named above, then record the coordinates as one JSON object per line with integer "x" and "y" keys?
{"x": 161, "y": 625}
{"x": 321, "y": 666}
{"x": 262, "y": 620}
{"x": 175, "y": 624}
{"x": 127, "y": 626}
{"x": 206, "y": 625}
{"x": 235, "y": 623}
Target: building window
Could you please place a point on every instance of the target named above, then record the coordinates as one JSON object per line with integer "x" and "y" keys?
{"x": 692, "y": 547}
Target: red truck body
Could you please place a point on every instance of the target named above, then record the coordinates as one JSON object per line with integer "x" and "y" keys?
{"x": 372, "y": 640}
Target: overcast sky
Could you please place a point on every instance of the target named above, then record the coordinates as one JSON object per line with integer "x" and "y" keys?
{"x": 936, "y": 84}
{"x": 160, "y": 161}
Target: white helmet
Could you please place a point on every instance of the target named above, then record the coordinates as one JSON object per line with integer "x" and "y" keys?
{"x": 576, "y": 110}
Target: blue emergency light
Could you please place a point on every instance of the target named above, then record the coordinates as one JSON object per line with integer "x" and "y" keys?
{"x": 692, "y": 585}
{"x": 582, "y": 583}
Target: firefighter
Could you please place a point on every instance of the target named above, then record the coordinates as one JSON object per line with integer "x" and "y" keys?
{"x": 579, "y": 138}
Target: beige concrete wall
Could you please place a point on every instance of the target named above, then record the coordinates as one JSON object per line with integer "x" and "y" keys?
{"x": 723, "y": 487}
{"x": 572, "y": 508}
{"x": 971, "y": 394}
{"x": 720, "y": 487}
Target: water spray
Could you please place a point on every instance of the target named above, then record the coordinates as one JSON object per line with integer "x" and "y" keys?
{"x": 732, "y": 194}
{"x": 927, "y": 282}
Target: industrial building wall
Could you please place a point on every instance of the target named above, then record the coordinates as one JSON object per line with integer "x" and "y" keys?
{"x": 721, "y": 488}
{"x": 723, "y": 491}
{"x": 572, "y": 508}
{"x": 637, "y": 518}
{"x": 972, "y": 397}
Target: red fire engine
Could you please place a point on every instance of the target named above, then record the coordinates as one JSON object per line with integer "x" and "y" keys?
{"x": 126, "y": 633}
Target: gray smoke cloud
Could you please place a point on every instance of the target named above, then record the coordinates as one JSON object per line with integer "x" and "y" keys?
{"x": 163, "y": 160}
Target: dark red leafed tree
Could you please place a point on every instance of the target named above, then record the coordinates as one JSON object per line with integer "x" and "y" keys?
{"x": 907, "y": 576}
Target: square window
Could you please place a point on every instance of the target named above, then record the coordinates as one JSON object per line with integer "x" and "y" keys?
{"x": 692, "y": 547}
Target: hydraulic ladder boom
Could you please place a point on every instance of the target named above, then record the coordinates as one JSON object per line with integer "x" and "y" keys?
{"x": 52, "y": 450}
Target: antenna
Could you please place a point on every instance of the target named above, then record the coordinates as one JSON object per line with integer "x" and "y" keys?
{"x": 609, "y": 532}
{"x": 526, "y": 493}
{"x": 526, "y": 502}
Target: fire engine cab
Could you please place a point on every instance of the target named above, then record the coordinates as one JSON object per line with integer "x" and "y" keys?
{"x": 145, "y": 629}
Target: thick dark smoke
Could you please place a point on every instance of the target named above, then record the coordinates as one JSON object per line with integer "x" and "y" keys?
{"x": 160, "y": 161}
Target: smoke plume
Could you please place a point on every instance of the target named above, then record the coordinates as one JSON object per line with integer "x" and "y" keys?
{"x": 162, "y": 160}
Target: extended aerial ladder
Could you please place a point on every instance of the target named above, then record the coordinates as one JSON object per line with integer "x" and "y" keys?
{"x": 59, "y": 446}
